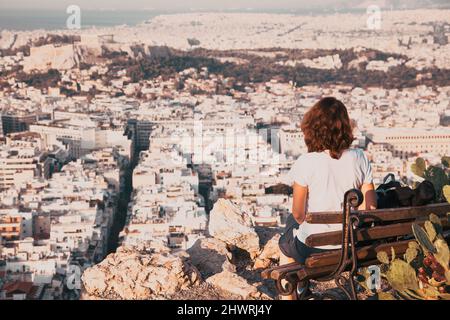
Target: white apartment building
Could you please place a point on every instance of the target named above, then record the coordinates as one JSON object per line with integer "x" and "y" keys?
{"x": 16, "y": 167}
{"x": 407, "y": 142}
{"x": 80, "y": 136}
{"x": 166, "y": 198}
{"x": 65, "y": 220}
{"x": 291, "y": 141}
{"x": 78, "y": 139}
{"x": 35, "y": 258}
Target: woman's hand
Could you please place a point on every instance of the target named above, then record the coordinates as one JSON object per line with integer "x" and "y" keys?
{"x": 370, "y": 197}
{"x": 299, "y": 202}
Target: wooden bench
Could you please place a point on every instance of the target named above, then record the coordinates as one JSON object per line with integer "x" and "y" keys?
{"x": 363, "y": 235}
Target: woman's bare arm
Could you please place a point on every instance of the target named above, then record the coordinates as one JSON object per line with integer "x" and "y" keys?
{"x": 300, "y": 194}
{"x": 370, "y": 197}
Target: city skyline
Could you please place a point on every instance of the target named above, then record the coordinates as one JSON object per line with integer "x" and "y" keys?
{"x": 212, "y": 5}
{"x": 162, "y": 159}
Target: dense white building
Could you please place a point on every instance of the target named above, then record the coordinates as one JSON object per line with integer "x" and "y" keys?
{"x": 407, "y": 142}
{"x": 292, "y": 141}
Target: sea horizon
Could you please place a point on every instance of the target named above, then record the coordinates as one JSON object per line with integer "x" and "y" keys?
{"x": 52, "y": 20}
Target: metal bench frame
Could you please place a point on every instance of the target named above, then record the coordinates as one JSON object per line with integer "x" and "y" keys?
{"x": 288, "y": 284}
{"x": 293, "y": 278}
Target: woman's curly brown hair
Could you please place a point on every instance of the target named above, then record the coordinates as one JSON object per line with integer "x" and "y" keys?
{"x": 327, "y": 126}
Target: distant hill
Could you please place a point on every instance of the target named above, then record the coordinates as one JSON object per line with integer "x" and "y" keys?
{"x": 395, "y": 4}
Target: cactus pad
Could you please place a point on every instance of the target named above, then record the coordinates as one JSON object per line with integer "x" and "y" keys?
{"x": 446, "y": 193}
{"x": 431, "y": 231}
{"x": 423, "y": 239}
{"x": 411, "y": 254}
{"x": 402, "y": 276}
{"x": 383, "y": 257}
{"x": 443, "y": 253}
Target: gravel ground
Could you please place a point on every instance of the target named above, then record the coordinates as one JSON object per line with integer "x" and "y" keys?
{"x": 204, "y": 291}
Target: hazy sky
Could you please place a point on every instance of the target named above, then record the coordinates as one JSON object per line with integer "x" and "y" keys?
{"x": 207, "y": 4}
{"x": 167, "y": 4}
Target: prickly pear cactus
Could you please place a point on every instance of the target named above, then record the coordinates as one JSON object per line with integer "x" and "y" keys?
{"x": 402, "y": 276}
{"x": 423, "y": 238}
{"x": 383, "y": 257}
{"x": 431, "y": 231}
{"x": 424, "y": 271}
{"x": 411, "y": 254}
{"x": 446, "y": 192}
{"x": 442, "y": 254}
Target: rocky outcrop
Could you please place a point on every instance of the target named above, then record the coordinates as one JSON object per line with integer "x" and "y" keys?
{"x": 229, "y": 262}
{"x": 211, "y": 256}
{"x": 228, "y": 224}
{"x": 234, "y": 284}
{"x": 7, "y": 39}
{"x": 51, "y": 57}
{"x": 128, "y": 274}
{"x": 269, "y": 255}
{"x": 215, "y": 261}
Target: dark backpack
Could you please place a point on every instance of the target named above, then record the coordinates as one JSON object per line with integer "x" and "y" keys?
{"x": 391, "y": 194}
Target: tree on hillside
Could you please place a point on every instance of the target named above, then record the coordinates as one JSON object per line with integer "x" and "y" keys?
{"x": 419, "y": 167}
{"x": 437, "y": 175}
{"x": 439, "y": 178}
{"x": 446, "y": 161}
{"x": 193, "y": 42}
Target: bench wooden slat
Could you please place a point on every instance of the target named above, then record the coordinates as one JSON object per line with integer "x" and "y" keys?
{"x": 294, "y": 267}
{"x": 364, "y": 253}
{"x": 322, "y": 264}
{"x": 331, "y": 258}
{"x": 273, "y": 273}
{"x": 440, "y": 209}
{"x": 364, "y": 234}
{"x": 265, "y": 274}
{"x": 392, "y": 223}
{"x": 314, "y": 273}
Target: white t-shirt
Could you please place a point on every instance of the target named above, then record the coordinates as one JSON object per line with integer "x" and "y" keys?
{"x": 327, "y": 180}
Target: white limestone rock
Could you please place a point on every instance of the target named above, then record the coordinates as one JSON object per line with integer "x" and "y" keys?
{"x": 234, "y": 284}
{"x": 50, "y": 56}
{"x": 211, "y": 256}
{"x": 132, "y": 275}
{"x": 234, "y": 227}
{"x": 269, "y": 255}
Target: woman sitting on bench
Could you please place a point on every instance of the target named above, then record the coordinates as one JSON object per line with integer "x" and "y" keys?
{"x": 321, "y": 177}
